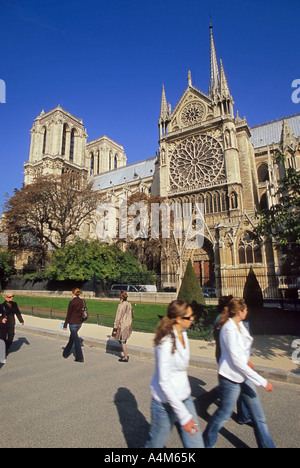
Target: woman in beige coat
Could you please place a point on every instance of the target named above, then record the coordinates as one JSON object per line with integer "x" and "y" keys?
{"x": 123, "y": 324}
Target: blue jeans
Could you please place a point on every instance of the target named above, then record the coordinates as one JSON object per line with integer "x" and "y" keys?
{"x": 229, "y": 394}
{"x": 163, "y": 420}
{"x": 74, "y": 339}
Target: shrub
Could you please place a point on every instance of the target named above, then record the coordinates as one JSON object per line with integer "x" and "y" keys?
{"x": 190, "y": 290}
{"x": 252, "y": 292}
{"x": 6, "y": 265}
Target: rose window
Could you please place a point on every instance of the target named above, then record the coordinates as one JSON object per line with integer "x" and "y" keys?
{"x": 192, "y": 113}
{"x": 197, "y": 161}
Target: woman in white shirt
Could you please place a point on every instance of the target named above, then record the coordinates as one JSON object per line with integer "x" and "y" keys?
{"x": 237, "y": 377}
{"x": 170, "y": 388}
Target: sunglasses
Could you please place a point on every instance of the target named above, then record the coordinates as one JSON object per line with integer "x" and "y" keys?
{"x": 191, "y": 317}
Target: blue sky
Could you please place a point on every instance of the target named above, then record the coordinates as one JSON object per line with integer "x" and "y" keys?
{"x": 105, "y": 62}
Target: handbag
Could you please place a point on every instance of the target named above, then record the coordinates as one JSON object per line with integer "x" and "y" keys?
{"x": 84, "y": 312}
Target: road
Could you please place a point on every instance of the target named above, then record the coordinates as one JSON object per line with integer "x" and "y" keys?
{"x": 49, "y": 402}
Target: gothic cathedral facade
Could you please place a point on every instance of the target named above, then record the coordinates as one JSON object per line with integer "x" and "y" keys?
{"x": 206, "y": 156}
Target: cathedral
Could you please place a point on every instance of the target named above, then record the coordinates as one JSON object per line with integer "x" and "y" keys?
{"x": 206, "y": 155}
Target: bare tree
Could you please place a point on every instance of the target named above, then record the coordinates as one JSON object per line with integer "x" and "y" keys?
{"x": 49, "y": 211}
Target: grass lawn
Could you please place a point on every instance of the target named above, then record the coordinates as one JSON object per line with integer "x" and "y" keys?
{"x": 146, "y": 316}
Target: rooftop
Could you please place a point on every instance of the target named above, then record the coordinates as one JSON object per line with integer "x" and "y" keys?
{"x": 270, "y": 132}
{"x": 136, "y": 171}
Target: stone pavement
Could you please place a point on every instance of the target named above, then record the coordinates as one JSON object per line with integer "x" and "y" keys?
{"x": 274, "y": 357}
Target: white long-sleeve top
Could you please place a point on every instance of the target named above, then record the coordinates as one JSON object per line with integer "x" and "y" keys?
{"x": 235, "y": 354}
{"x": 170, "y": 383}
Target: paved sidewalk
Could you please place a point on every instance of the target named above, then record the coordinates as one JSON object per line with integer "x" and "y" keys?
{"x": 272, "y": 355}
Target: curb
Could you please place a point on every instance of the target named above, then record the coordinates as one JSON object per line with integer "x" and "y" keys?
{"x": 195, "y": 361}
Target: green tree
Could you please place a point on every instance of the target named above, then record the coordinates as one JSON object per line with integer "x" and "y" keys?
{"x": 6, "y": 266}
{"x": 83, "y": 260}
{"x": 190, "y": 290}
{"x": 281, "y": 222}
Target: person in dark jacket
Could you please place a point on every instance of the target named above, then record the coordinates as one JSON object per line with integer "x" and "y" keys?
{"x": 8, "y": 310}
{"x": 74, "y": 320}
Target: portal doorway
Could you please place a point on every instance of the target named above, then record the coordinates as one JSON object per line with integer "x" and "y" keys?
{"x": 204, "y": 265}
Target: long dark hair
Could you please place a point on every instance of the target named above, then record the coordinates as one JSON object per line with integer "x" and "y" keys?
{"x": 165, "y": 327}
{"x": 223, "y": 302}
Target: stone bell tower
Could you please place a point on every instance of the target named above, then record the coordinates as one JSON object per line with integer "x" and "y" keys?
{"x": 58, "y": 145}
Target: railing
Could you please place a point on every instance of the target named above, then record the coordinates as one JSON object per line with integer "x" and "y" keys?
{"x": 98, "y": 319}
{"x": 225, "y": 282}
{"x": 57, "y": 314}
{"x": 222, "y": 282}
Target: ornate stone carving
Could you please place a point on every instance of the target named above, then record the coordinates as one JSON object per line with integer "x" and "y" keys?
{"x": 192, "y": 113}
{"x": 197, "y": 161}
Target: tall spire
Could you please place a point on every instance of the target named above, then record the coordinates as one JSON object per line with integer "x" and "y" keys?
{"x": 164, "y": 114}
{"x": 224, "y": 89}
{"x": 214, "y": 69}
{"x": 164, "y": 117}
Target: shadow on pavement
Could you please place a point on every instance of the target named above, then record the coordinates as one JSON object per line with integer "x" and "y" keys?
{"x": 134, "y": 424}
{"x": 203, "y": 400}
{"x": 17, "y": 344}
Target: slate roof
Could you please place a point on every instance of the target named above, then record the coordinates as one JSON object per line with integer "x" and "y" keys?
{"x": 270, "y": 132}
{"x": 132, "y": 172}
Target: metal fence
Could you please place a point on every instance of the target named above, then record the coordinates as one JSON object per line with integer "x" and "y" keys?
{"x": 272, "y": 286}
{"x": 221, "y": 283}
{"x": 96, "y": 318}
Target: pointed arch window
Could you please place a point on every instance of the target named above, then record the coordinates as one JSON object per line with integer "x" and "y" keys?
{"x": 72, "y": 144}
{"x": 242, "y": 256}
{"x": 208, "y": 203}
{"x": 64, "y": 139}
{"x": 263, "y": 173}
{"x": 217, "y": 203}
{"x": 249, "y": 254}
{"x": 249, "y": 250}
{"x": 200, "y": 201}
{"x": 264, "y": 205}
{"x": 98, "y": 162}
{"x": 44, "y": 140}
{"x": 224, "y": 201}
{"x": 257, "y": 254}
{"x": 233, "y": 201}
{"x": 92, "y": 165}
{"x": 200, "y": 198}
